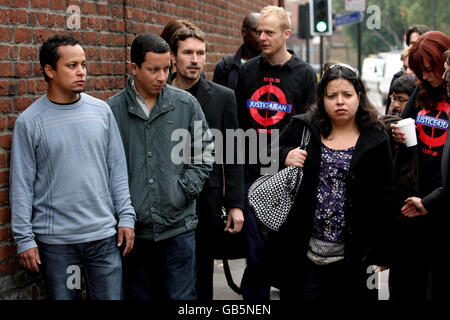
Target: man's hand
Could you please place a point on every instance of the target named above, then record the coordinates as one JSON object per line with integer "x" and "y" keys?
{"x": 413, "y": 208}
{"x": 30, "y": 259}
{"x": 128, "y": 233}
{"x": 235, "y": 220}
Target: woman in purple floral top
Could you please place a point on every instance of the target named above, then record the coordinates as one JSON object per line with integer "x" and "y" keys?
{"x": 340, "y": 225}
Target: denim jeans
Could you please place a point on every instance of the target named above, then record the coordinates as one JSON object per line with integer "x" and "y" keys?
{"x": 98, "y": 261}
{"x": 163, "y": 270}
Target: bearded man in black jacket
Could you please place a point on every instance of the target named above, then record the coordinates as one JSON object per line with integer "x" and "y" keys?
{"x": 218, "y": 103}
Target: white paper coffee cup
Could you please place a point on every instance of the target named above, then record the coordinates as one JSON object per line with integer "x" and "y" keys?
{"x": 409, "y": 128}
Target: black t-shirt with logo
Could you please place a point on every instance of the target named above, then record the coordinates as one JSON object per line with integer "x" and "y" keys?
{"x": 267, "y": 97}
{"x": 432, "y": 130}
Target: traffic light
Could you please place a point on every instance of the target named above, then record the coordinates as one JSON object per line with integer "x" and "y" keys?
{"x": 320, "y": 18}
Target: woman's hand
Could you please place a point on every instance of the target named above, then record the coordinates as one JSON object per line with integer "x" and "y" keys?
{"x": 398, "y": 135}
{"x": 413, "y": 208}
{"x": 296, "y": 157}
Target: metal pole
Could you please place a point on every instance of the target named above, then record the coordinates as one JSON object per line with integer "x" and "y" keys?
{"x": 308, "y": 54}
{"x": 433, "y": 15}
{"x": 321, "y": 52}
{"x": 359, "y": 46}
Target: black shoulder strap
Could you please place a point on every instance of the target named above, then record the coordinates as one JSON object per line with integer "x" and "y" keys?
{"x": 228, "y": 62}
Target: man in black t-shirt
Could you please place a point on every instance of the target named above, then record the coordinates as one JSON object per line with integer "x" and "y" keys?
{"x": 271, "y": 89}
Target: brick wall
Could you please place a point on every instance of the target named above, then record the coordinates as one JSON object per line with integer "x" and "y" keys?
{"x": 106, "y": 30}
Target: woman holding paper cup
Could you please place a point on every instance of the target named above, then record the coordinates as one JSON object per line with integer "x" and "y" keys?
{"x": 425, "y": 245}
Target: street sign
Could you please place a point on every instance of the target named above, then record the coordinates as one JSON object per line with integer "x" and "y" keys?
{"x": 355, "y": 5}
{"x": 348, "y": 19}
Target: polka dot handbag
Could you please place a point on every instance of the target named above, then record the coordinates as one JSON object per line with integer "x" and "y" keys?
{"x": 272, "y": 195}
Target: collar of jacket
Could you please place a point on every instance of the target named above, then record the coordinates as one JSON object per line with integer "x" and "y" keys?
{"x": 162, "y": 105}
{"x": 368, "y": 139}
{"x": 204, "y": 92}
{"x": 237, "y": 57}
{"x": 288, "y": 64}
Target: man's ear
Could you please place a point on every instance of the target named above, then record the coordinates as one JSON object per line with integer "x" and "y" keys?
{"x": 133, "y": 67}
{"x": 49, "y": 71}
{"x": 287, "y": 33}
{"x": 172, "y": 58}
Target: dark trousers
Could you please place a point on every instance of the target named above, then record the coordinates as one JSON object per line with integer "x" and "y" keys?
{"x": 163, "y": 270}
{"x": 255, "y": 285}
{"x": 419, "y": 270}
{"x": 205, "y": 268}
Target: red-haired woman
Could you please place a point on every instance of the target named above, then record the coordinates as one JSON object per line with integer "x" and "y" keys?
{"x": 423, "y": 246}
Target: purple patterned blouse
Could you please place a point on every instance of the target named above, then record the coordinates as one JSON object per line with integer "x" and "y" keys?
{"x": 328, "y": 233}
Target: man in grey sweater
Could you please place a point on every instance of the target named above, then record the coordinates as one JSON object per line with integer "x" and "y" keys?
{"x": 69, "y": 183}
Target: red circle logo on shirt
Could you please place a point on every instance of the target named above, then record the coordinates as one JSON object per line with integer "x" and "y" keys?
{"x": 266, "y": 121}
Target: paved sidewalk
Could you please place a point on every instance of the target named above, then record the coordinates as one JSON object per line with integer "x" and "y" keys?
{"x": 223, "y": 292}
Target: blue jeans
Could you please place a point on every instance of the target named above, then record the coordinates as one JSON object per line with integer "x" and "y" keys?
{"x": 98, "y": 261}
{"x": 163, "y": 270}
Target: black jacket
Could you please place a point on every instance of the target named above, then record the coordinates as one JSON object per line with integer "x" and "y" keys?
{"x": 439, "y": 200}
{"x": 268, "y": 96}
{"x": 369, "y": 205}
{"x": 225, "y": 185}
{"x": 226, "y": 72}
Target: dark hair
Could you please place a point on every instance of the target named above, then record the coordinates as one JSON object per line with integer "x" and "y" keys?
{"x": 49, "y": 53}
{"x": 419, "y": 28}
{"x": 430, "y": 48}
{"x": 147, "y": 42}
{"x": 172, "y": 26}
{"x": 184, "y": 33}
{"x": 366, "y": 116}
{"x": 404, "y": 84}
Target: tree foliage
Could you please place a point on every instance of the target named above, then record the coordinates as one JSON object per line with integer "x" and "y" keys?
{"x": 396, "y": 16}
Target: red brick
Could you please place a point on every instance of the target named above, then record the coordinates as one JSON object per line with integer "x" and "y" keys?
{"x": 58, "y": 5}
{"x": 4, "y": 51}
{"x": 22, "y": 69}
{"x": 4, "y": 267}
{"x": 42, "y": 86}
{"x": 5, "y": 213}
{"x": 4, "y": 16}
{"x": 11, "y": 120}
{"x": 4, "y": 234}
{"x": 6, "y": 69}
{"x": 6, "y": 105}
{"x": 3, "y": 87}
{"x": 42, "y": 19}
{"x": 24, "y": 53}
{"x": 4, "y": 178}
{"x": 2, "y": 160}
{"x": 3, "y": 123}
{"x": 14, "y": 52}
{"x": 41, "y": 35}
{"x": 20, "y": 104}
{"x": 40, "y": 4}
{"x": 22, "y": 35}
{"x": 6, "y": 252}
{"x": 20, "y": 3}
{"x": 5, "y": 34}
{"x": 5, "y": 141}
{"x": 88, "y": 8}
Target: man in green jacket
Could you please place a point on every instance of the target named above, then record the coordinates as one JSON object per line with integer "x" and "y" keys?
{"x": 166, "y": 175}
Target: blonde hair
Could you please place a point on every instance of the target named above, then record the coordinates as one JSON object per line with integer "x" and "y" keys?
{"x": 404, "y": 53}
{"x": 280, "y": 13}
